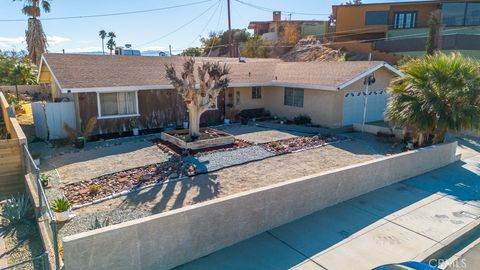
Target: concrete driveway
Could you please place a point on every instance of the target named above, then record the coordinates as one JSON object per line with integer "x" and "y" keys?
{"x": 396, "y": 223}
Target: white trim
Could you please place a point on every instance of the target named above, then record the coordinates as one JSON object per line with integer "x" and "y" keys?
{"x": 366, "y": 73}
{"x": 42, "y": 61}
{"x": 112, "y": 89}
{"x": 99, "y": 107}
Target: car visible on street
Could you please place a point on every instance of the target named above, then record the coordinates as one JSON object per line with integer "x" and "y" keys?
{"x": 407, "y": 266}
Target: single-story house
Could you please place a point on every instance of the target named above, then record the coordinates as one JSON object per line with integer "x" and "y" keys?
{"x": 115, "y": 89}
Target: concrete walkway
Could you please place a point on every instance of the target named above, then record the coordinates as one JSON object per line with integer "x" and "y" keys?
{"x": 393, "y": 224}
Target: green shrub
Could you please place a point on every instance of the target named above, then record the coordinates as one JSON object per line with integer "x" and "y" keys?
{"x": 302, "y": 119}
{"x": 17, "y": 209}
{"x": 96, "y": 224}
{"x": 44, "y": 178}
{"x": 60, "y": 205}
{"x": 36, "y": 155}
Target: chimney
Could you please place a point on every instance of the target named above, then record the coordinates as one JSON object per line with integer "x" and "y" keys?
{"x": 277, "y": 16}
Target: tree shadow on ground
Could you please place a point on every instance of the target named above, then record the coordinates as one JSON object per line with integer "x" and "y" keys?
{"x": 174, "y": 194}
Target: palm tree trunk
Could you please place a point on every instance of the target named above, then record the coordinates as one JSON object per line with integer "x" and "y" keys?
{"x": 439, "y": 135}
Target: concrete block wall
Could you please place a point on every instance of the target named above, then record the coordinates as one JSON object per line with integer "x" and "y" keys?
{"x": 172, "y": 238}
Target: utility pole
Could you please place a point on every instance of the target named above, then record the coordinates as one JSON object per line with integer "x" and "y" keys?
{"x": 170, "y": 50}
{"x": 230, "y": 34}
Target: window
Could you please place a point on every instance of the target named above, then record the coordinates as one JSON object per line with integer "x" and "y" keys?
{"x": 117, "y": 104}
{"x": 405, "y": 20}
{"x": 473, "y": 14}
{"x": 293, "y": 97}
{"x": 237, "y": 97}
{"x": 453, "y": 14}
{"x": 256, "y": 93}
{"x": 376, "y": 18}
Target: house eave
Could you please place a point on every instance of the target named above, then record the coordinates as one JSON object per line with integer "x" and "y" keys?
{"x": 110, "y": 89}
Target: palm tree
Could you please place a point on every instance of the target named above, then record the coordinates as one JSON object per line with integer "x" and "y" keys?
{"x": 111, "y": 43}
{"x": 36, "y": 38}
{"x": 438, "y": 93}
{"x": 102, "y": 35}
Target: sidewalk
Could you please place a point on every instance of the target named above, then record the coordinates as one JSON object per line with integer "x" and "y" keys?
{"x": 393, "y": 224}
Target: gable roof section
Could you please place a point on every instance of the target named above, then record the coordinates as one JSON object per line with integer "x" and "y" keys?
{"x": 97, "y": 73}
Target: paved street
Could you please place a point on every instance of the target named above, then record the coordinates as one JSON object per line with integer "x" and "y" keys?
{"x": 392, "y": 224}
{"x": 470, "y": 260}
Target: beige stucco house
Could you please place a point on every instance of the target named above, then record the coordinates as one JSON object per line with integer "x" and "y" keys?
{"x": 115, "y": 89}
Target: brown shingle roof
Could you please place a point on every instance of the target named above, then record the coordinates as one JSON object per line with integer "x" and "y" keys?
{"x": 102, "y": 71}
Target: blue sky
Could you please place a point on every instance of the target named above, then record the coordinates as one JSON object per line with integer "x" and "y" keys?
{"x": 144, "y": 30}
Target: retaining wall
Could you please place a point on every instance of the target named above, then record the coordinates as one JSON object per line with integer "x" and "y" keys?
{"x": 11, "y": 152}
{"x": 172, "y": 238}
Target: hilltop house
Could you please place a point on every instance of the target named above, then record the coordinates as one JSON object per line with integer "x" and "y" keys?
{"x": 116, "y": 89}
{"x": 272, "y": 30}
{"x": 401, "y": 28}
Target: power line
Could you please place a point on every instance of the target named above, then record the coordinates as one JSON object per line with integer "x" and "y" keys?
{"x": 206, "y": 25}
{"x": 111, "y": 14}
{"x": 182, "y": 26}
{"x": 283, "y": 11}
{"x": 355, "y": 41}
{"x": 216, "y": 28}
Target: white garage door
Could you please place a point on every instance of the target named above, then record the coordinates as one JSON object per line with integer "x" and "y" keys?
{"x": 354, "y": 102}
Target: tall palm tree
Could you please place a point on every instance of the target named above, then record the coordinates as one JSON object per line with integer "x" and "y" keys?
{"x": 36, "y": 38}
{"x": 102, "y": 35}
{"x": 439, "y": 93}
{"x": 111, "y": 43}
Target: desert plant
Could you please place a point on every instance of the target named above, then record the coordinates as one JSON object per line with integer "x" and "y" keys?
{"x": 60, "y": 205}
{"x": 44, "y": 179}
{"x": 302, "y": 119}
{"x": 96, "y": 224}
{"x": 213, "y": 77}
{"x": 36, "y": 155}
{"x": 73, "y": 133}
{"x": 16, "y": 209}
{"x": 439, "y": 93}
{"x": 257, "y": 47}
{"x": 133, "y": 123}
{"x": 94, "y": 189}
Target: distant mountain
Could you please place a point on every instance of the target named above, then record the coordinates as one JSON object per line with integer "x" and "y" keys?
{"x": 144, "y": 53}
{"x": 97, "y": 52}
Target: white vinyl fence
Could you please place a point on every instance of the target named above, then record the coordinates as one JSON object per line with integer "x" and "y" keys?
{"x": 49, "y": 119}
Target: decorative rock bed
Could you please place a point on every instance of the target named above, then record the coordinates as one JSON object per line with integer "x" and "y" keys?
{"x": 210, "y": 159}
{"x": 111, "y": 184}
{"x": 299, "y": 144}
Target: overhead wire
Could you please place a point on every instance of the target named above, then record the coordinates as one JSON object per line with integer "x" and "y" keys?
{"x": 110, "y": 14}
{"x": 178, "y": 28}
{"x": 283, "y": 11}
{"x": 206, "y": 25}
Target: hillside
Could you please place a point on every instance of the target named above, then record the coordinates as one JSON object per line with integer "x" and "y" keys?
{"x": 310, "y": 49}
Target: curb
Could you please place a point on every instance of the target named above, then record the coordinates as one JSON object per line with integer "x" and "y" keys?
{"x": 451, "y": 245}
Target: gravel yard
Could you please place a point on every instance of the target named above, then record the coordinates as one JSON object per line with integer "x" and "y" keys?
{"x": 22, "y": 242}
{"x": 222, "y": 183}
{"x": 259, "y": 135}
{"x": 78, "y": 166}
{"x": 255, "y": 161}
